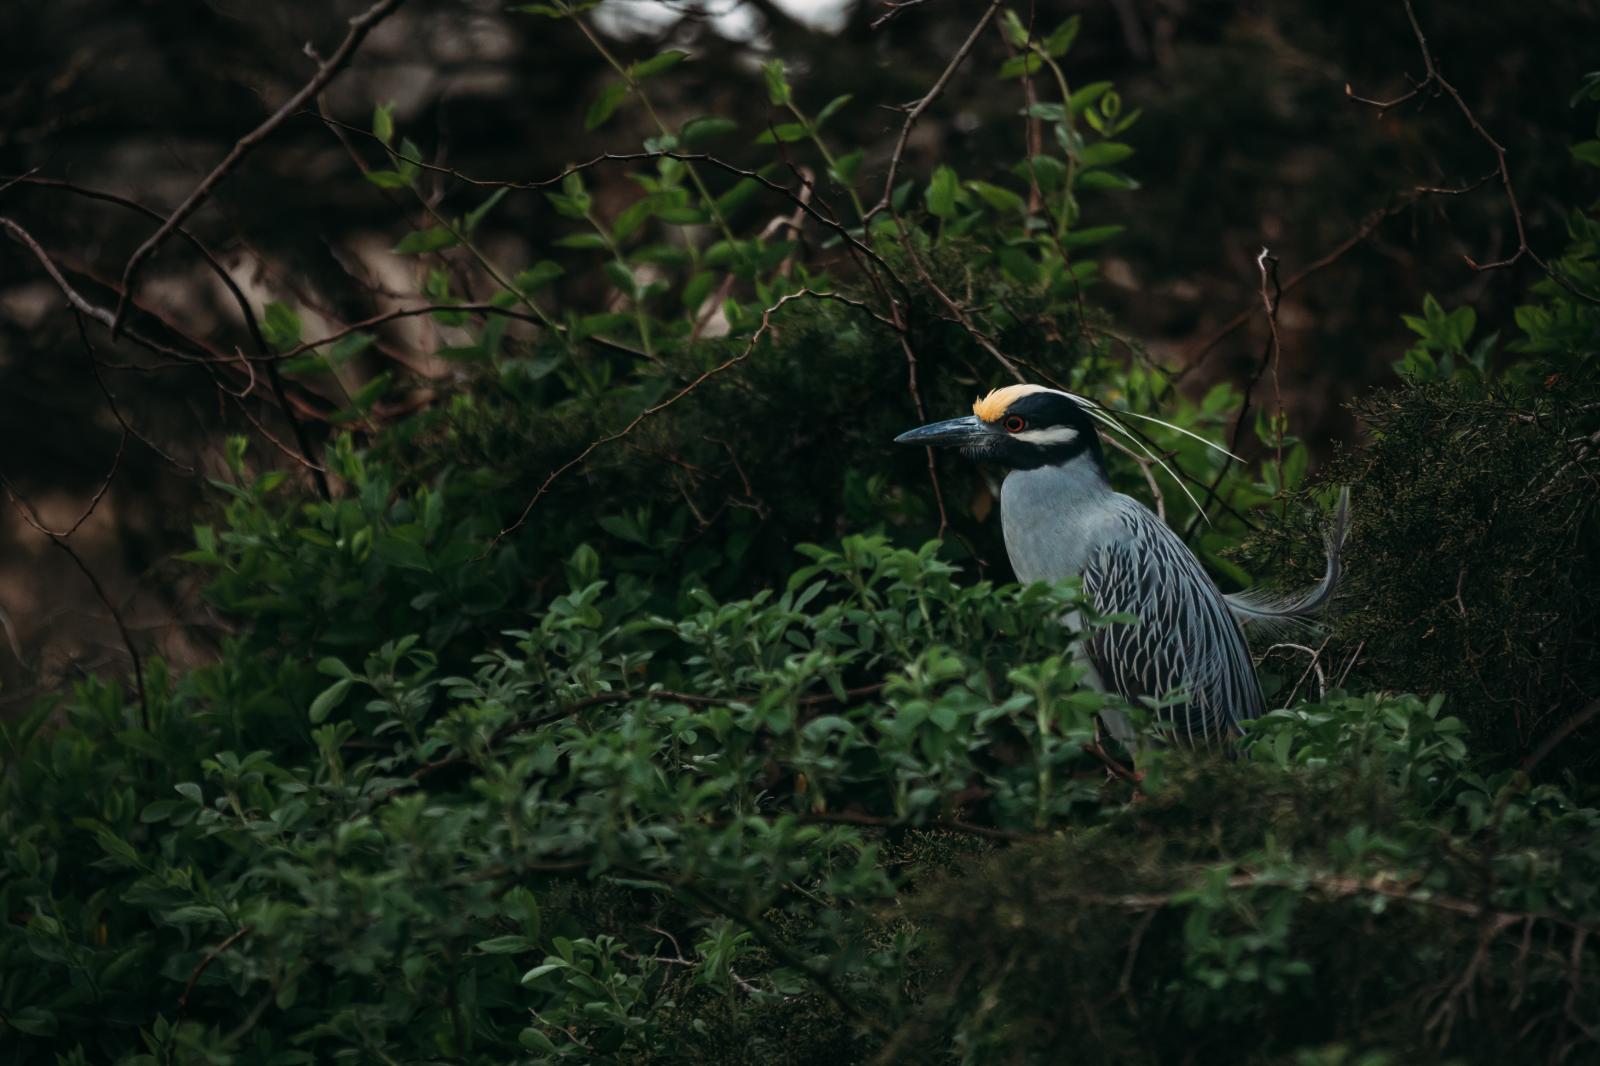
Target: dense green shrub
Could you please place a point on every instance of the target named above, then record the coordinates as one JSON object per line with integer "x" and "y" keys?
{"x": 656, "y": 838}
{"x": 1474, "y": 557}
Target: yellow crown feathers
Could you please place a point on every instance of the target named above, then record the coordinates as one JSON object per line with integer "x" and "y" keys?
{"x": 990, "y": 408}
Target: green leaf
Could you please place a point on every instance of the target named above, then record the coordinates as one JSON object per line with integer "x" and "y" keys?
{"x": 587, "y": 241}
{"x": 407, "y": 158}
{"x": 522, "y": 906}
{"x": 1003, "y": 200}
{"x": 1088, "y": 94}
{"x": 328, "y": 699}
{"x": 941, "y": 194}
{"x": 35, "y": 1021}
{"x": 159, "y": 810}
{"x": 1091, "y": 235}
{"x": 659, "y": 64}
{"x": 1061, "y": 38}
{"x": 573, "y": 200}
{"x": 539, "y": 971}
{"x": 632, "y": 217}
{"x": 476, "y": 215}
{"x": 683, "y": 216}
{"x": 506, "y": 945}
{"x": 398, "y": 551}
{"x": 786, "y": 132}
{"x": 538, "y": 276}
{"x": 1103, "y": 179}
{"x": 846, "y": 167}
{"x": 605, "y": 105}
{"x": 1587, "y": 152}
{"x": 425, "y": 240}
{"x": 1016, "y": 33}
{"x": 280, "y": 326}
{"x": 589, "y": 325}
{"x": 348, "y": 347}
{"x": 363, "y": 397}
{"x": 383, "y": 123}
{"x": 738, "y": 196}
{"x": 114, "y": 846}
{"x": 388, "y": 179}
{"x": 777, "y": 82}
{"x": 622, "y": 278}
{"x": 697, "y": 289}
{"x": 1047, "y": 170}
{"x": 534, "y": 1040}
{"x": 236, "y": 447}
{"x": 195, "y": 914}
{"x": 1018, "y": 66}
{"x": 830, "y": 109}
{"x": 1104, "y": 154}
{"x": 698, "y": 131}
{"x": 1019, "y": 264}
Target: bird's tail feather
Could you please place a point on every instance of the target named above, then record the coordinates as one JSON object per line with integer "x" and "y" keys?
{"x": 1288, "y": 613}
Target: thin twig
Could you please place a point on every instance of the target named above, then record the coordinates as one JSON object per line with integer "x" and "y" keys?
{"x": 1267, "y": 264}
{"x": 892, "y": 10}
{"x": 1196, "y": 355}
{"x": 31, "y": 517}
{"x": 1433, "y": 79}
{"x": 105, "y": 317}
{"x": 923, "y": 104}
{"x": 252, "y": 323}
{"x": 111, "y": 399}
{"x": 1560, "y": 733}
{"x": 360, "y": 26}
{"x": 205, "y": 963}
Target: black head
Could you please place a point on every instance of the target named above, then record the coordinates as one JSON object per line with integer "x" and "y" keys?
{"x": 1020, "y": 427}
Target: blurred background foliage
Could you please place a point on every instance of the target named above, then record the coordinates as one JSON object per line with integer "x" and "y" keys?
{"x": 511, "y": 632}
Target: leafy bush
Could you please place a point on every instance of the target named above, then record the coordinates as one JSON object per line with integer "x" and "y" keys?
{"x": 649, "y": 838}
{"x": 1475, "y": 550}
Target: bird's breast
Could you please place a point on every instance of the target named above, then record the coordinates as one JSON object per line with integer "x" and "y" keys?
{"x": 1054, "y": 519}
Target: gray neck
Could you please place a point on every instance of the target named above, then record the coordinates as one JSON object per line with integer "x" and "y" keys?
{"x": 1054, "y": 517}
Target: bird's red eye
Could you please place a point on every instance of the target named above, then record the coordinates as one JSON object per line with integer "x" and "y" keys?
{"x": 1015, "y": 424}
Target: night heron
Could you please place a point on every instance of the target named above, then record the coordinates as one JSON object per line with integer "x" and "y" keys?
{"x": 1061, "y": 517}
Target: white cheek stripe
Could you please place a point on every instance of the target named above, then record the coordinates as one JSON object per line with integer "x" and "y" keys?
{"x": 1051, "y": 435}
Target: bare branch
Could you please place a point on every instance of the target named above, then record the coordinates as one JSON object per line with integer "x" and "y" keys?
{"x": 923, "y": 104}
{"x": 205, "y": 963}
{"x": 1436, "y": 81}
{"x": 31, "y": 517}
{"x": 360, "y": 26}
{"x": 1197, "y": 354}
{"x": 1266, "y": 264}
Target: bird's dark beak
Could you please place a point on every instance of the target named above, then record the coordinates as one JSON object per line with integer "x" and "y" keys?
{"x": 951, "y": 433}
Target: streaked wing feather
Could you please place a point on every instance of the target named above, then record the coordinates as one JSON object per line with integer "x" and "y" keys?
{"x": 1186, "y": 639}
